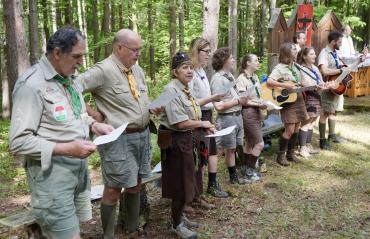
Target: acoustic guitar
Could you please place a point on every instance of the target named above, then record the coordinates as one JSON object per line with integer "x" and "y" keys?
{"x": 280, "y": 96}
{"x": 345, "y": 78}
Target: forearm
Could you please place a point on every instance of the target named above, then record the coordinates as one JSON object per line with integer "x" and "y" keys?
{"x": 273, "y": 83}
{"x": 189, "y": 124}
{"x": 205, "y": 100}
{"x": 221, "y": 106}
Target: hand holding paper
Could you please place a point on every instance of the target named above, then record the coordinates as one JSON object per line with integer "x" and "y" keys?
{"x": 104, "y": 139}
{"x": 222, "y": 132}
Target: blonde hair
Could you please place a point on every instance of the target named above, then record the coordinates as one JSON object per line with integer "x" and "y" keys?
{"x": 197, "y": 45}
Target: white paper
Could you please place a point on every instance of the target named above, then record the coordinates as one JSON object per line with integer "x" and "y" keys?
{"x": 163, "y": 99}
{"x": 271, "y": 106}
{"x": 157, "y": 168}
{"x": 222, "y": 132}
{"x": 104, "y": 139}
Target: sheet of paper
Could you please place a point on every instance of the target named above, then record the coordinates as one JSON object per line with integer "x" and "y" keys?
{"x": 157, "y": 168}
{"x": 104, "y": 139}
{"x": 271, "y": 106}
{"x": 222, "y": 132}
{"x": 163, "y": 99}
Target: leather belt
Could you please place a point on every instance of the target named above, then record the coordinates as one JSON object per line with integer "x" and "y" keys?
{"x": 135, "y": 130}
{"x": 235, "y": 113}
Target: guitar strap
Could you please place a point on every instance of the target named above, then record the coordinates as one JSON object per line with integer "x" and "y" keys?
{"x": 310, "y": 75}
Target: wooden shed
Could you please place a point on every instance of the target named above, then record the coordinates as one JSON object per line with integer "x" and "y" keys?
{"x": 277, "y": 30}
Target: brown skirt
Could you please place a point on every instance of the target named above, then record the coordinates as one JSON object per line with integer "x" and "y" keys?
{"x": 178, "y": 168}
{"x": 313, "y": 104}
{"x": 252, "y": 118}
{"x": 210, "y": 143}
{"x": 295, "y": 112}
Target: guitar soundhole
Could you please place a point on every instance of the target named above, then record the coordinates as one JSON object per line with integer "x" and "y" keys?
{"x": 282, "y": 98}
{"x": 285, "y": 93}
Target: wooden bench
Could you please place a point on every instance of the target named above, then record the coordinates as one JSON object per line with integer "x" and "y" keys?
{"x": 24, "y": 217}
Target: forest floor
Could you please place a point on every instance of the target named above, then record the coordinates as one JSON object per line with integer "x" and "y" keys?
{"x": 326, "y": 197}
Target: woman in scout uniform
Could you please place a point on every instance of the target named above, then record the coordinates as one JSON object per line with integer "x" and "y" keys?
{"x": 199, "y": 53}
{"x": 179, "y": 142}
{"x": 306, "y": 58}
{"x": 228, "y": 109}
{"x": 252, "y": 115}
{"x": 294, "y": 113}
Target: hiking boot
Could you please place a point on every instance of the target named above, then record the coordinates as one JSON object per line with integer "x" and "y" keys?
{"x": 290, "y": 156}
{"x": 281, "y": 159}
{"x": 234, "y": 179}
{"x": 189, "y": 209}
{"x": 263, "y": 168}
{"x": 335, "y": 139}
{"x": 324, "y": 144}
{"x": 189, "y": 223}
{"x": 183, "y": 232}
{"x": 205, "y": 205}
{"x": 304, "y": 152}
{"x": 215, "y": 190}
{"x": 311, "y": 149}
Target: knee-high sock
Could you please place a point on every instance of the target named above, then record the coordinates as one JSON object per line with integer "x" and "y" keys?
{"x": 177, "y": 208}
{"x": 322, "y": 130}
{"x": 331, "y": 123}
{"x": 132, "y": 201}
{"x": 309, "y": 136}
{"x": 303, "y": 137}
{"x": 108, "y": 216}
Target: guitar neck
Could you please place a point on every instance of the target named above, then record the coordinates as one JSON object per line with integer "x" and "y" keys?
{"x": 303, "y": 89}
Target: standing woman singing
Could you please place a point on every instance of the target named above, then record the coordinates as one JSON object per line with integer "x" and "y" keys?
{"x": 292, "y": 114}
{"x": 178, "y": 140}
{"x": 199, "y": 53}
{"x": 252, "y": 114}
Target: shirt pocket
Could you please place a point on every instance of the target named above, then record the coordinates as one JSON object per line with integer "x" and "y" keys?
{"x": 57, "y": 108}
{"x": 121, "y": 94}
{"x": 189, "y": 109}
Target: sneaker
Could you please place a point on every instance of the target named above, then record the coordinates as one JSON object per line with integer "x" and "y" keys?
{"x": 206, "y": 205}
{"x": 324, "y": 144}
{"x": 312, "y": 150}
{"x": 263, "y": 168}
{"x": 304, "y": 152}
{"x": 183, "y": 232}
{"x": 335, "y": 139}
{"x": 234, "y": 179}
{"x": 189, "y": 223}
{"x": 215, "y": 190}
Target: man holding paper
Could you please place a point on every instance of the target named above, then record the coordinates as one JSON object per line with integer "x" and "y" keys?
{"x": 118, "y": 86}
{"x": 50, "y": 127}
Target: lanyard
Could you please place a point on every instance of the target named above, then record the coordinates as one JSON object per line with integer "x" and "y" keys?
{"x": 293, "y": 73}
{"x": 254, "y": 82}
{"x": 335, "y": 56}
{"x": 317, "y": 78}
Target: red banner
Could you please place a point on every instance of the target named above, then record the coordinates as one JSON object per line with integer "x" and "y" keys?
{"x": 305, "y": 21}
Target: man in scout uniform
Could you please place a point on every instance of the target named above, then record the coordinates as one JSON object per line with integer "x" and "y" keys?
{"x": 329, "y": 64}
{"x": 50, "y": 128}
{"x": 118, "y": 86}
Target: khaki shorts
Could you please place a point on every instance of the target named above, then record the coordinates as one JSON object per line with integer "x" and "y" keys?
{"x": 126, "y": 159}
{"x": 329, "y": 102}
{"x": 60, "y": 196}
{"x": 234, "y": 139}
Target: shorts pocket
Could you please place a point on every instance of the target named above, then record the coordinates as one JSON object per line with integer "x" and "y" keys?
{"x": 113, "y": 156}
{"x": 42, "y": 209}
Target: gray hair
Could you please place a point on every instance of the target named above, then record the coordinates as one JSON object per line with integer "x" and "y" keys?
{"x": 64, "y": 39}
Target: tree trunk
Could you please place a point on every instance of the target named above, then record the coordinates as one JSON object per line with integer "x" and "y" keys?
{"x": 45, "y": 20}
{"x": 58, "y": 13}
{"x": 133, "y": 21}
{"x": 211, "y": 10}
{"x": 113, "y": 16}
{"x": 17, "y": 62}
{"x": 95, "y": 28}
{"x": 172, "y": 19}
{"x": 105, "y": 27}
{"x": 233, "y": 29}
{"x": 261, "y": 24}
{"x": 68, "y": 14}
{"x": 368, "y": 22}
{"x": 121, "y": 14}
{"x": 181, "y": 25}
{"x": 54, "y": 7}
{"x": 82, "y": 25}
{"x": 151, "y": 15}
{"x": 272, "y": 5}
{"x": 33, "y": 32}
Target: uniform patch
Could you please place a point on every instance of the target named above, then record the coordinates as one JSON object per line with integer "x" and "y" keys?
{"x": 60, "y": 112}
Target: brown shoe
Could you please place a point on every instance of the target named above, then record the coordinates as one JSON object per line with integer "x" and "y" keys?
{"x": 206, "y": 205}
{"x": 290, "y": 156}
{"x": 189, "y": 209}
{"x": 281, "y": 159}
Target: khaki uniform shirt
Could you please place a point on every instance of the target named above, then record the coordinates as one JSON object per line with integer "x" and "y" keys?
{"x": 244, "y": 83}
{"x": 309, "y": 77}
{"x": 281, "y": 72}
{"x": 218, "y": 84}
{"x": 201, "y": 88}
{"x": 112, "y": 94}
{"x": 325, "y": 58}
{"x": 179, "y": 109}
{"x": 43, "y": 115}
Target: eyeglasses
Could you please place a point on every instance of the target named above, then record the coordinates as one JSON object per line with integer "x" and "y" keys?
{"x": 206, "y": 51}
{"x": 134, "y": 50}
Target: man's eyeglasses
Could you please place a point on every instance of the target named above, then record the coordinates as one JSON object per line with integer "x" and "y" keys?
{"x": 206, "y": 51}
{"x": 134, "y": 50}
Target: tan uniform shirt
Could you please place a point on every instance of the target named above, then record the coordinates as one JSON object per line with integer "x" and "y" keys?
{"x": 112, "y": 94}
{"x": 179, "y": 109}
{"x": 326, "y": 58}
{"x": 309, "y": 77}
{"x": 43, "y": 115}
{"x": 282, "y": 72}
{"x": 244, "y": 83}
{"x": 200, "y": 87}
{"x": 218, "y": 84}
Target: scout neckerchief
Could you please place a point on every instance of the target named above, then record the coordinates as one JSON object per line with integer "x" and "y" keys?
{"x": 294, "y": 73}
{"x": 193, "y": 103}
{"x": 200, "y": 76}
{"x": 131, "y": 82}
{"x": 336, "y": 59}
{"x": 230, "y": 79}
{"x": 317, "y": 77}
{"x": 76, "y": 102}
{"x": 254, "y": 82}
